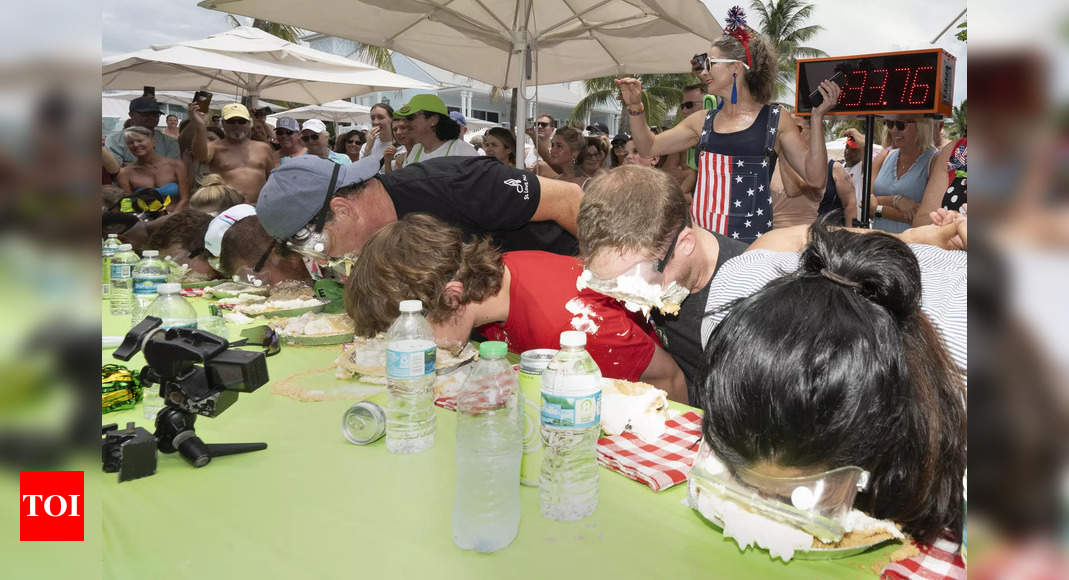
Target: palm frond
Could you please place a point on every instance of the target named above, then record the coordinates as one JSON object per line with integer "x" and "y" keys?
{"x": 590, "y": 101}
{"x": 377, "y": 55}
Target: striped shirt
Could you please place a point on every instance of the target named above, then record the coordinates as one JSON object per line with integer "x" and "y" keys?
{"x": 944, "y": 290}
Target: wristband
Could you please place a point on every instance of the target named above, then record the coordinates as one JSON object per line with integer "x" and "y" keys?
{"x": 879, "y": 211}
{"x": 894, "y": 201}
{"x": 635, "y": 110}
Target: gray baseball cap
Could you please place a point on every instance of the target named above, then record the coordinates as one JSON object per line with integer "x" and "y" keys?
{"x": 297, "y": 191}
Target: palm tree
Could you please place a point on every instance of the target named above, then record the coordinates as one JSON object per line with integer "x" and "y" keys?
{"x": 783, "y": 23}
{"x": 661, "y": 92}
{"x": 957, "y": 128}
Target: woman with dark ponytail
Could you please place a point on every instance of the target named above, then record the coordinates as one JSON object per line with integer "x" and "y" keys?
{"x": 738, "y": 144}
{"x": 837, "y": 365}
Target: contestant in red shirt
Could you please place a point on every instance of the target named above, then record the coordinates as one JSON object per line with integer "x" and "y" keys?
{"x": 525, "y": 299}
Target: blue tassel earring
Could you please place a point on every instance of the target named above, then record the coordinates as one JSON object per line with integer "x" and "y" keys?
{"x": 734, "y": 88}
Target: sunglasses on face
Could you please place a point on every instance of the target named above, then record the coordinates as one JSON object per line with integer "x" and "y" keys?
{"x": 689, "y": 104}
{"x": 703, "y": 61}
{"x": 283, "y": 132}
{"x": 309, "y": 138}
{"x": 353, "y": 142}
{"x": 236, "y": 121}
{"x": 899, "y": 125}
{"x": 542, "y": 124}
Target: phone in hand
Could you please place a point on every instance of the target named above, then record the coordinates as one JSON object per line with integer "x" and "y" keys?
{"x": 816, "y": 98}
{"x": 203, "y": 99}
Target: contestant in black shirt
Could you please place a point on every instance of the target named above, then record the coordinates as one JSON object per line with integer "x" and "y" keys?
{"x": 324, "y": 210}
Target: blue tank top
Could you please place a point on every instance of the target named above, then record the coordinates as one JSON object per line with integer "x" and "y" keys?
{"x": 732, "y": 196}
{"x": 911, "y": 185}
{"x": 169, "y": 190}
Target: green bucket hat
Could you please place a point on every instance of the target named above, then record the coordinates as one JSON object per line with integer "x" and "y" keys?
{"x": 427, "y": 103}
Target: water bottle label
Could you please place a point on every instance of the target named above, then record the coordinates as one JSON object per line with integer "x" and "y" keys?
{"x": 121, "y": 271}
{"x": 571, "y": 412}
{"x": 413, "y": 362}
{"x": 148, "y": 284}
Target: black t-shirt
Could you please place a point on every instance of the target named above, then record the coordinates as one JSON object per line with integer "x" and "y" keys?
{"x": 480, "y": 195}
{"x": 681, "y": 335}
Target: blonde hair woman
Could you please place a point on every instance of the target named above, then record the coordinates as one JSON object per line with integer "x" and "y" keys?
{"x": 900, "y": 174}
{"x": 215, "y": 195}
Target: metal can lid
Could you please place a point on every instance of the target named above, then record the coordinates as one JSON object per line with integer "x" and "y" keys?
{"x": 536, "y": 360}
{"x": 364, "y": 423}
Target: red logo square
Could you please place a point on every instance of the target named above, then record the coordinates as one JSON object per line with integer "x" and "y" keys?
{"x": 51, "y": 506}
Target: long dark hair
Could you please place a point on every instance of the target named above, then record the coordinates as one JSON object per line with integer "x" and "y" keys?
{"x": 836, "y": 365}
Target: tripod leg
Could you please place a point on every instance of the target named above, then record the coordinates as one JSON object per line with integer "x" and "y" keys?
{"x": 221, "y": 449}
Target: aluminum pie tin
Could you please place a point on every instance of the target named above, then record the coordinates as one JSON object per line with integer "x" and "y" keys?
{"x": 364, "y": 423}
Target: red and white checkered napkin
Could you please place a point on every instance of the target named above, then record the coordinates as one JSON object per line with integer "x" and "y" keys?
{"x": 447, "y": 402}
{"x": 939, "y": 561}
{"x": 659, "y": 465}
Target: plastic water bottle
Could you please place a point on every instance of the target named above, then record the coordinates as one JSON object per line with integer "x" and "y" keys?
{"x": 571, "y": 423}
{"x": 149, "y": 273}
{"x": 486, "y": 513}
{"x": 172, "y": 308}
{"x": 410, "y": 366}
{"x": 122, "y": 280}
{"x": 111, "y": 245}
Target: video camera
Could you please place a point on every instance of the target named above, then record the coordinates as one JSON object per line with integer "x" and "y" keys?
{"x": 197, "y": 373}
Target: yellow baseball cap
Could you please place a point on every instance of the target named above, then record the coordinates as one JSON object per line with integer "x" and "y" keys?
{"x": 236, "y": 110}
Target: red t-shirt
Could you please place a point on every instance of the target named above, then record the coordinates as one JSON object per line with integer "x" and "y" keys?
{"x": 540, "y": 294}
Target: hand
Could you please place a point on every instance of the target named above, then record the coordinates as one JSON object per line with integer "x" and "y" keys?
{"x": 196, "y": 116}
{"x": 950, "y": 236}
{"x": 631, "y": 91}
{"x": 908, "y": 207}
{"x": 372, "y": 134}
{"x": 830, "y": 92}
{"x": 943, "y": 216}
{"x": 389, "y": 152}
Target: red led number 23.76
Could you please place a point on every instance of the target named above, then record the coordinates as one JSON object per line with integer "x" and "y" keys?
{"x": 869, "y": 88}
{"x": 52, "y": 506}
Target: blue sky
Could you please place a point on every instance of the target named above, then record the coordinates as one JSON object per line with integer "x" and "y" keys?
{"x": 851, "y": 27}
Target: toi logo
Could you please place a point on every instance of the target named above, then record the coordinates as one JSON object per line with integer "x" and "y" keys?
{"x": 51, "y": 506}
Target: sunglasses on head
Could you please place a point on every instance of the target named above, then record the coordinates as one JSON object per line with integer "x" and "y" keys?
{"x": 236, "y": 121}
{"x": 899, "y": 125}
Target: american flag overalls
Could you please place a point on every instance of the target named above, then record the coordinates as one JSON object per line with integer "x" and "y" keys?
{"x": 732, "y": 196}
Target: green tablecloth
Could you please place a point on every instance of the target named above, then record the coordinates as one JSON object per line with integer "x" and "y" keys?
{"x": 313, "y": 505}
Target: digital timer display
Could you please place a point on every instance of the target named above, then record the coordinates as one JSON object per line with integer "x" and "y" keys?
{"x": 896, "y": 82}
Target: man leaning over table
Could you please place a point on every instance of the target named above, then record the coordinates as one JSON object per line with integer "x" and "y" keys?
{"x": 324, "y": 210}
{"x": 524, "y": 299}
{"x": 638, "y": 217}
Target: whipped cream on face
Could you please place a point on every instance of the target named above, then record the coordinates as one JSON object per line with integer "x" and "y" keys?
{"x": 637, "y": 294}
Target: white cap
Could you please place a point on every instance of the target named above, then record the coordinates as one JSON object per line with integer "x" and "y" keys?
{"x": 150, "y": 253}
{"x": 213, "y": 238}
{"x": 572, "y": 338}
{"x": 125, "y": 247}
{"x": 314, "y": 125}
{"x": 169, "y": 288}
{"x": 411, "y": 306}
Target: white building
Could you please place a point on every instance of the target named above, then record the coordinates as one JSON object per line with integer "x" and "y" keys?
{"x": 471, "y": 97}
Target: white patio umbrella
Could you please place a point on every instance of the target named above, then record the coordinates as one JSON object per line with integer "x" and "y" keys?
{"x": 337, "y": 111}
{"x": 511, "y": 43}
{"x": 249, "y": 61}
{"x": 179, "y": 98}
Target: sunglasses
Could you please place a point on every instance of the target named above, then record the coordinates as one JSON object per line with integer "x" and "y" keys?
{"x": 283, "y": 132}
{"x": 689, "y": 104}
{"x": 899, "y": 125}
{"x": 353, "y": 142}
{"x": 542, "y": 124}
{"x": 309, "y": 138}
{"x": 671, "y": 248}
{"x": 264, "y": 336}
{"x": 263, "y": 259}
{"x": 703, "y": 61}
{"x": 236, "y": 121}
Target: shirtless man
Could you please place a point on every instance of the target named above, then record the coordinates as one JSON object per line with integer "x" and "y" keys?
{"x": 243, "y": 163}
